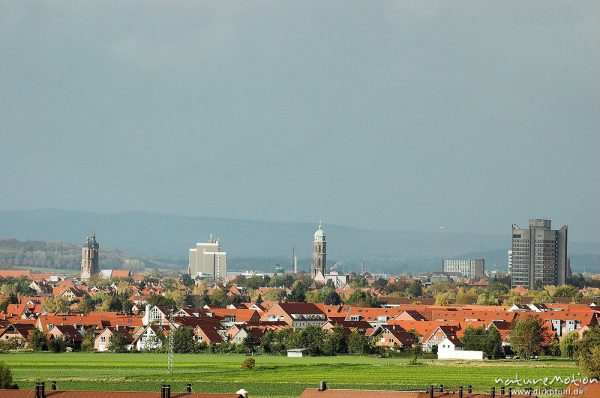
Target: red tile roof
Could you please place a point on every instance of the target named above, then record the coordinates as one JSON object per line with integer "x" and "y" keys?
{"x": 11, "y": 273}
{"x": 107, "y": 394}
{"x": 120, "y": 273}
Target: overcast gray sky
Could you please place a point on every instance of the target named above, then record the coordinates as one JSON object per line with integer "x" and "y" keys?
{"x": 471, "y": 115}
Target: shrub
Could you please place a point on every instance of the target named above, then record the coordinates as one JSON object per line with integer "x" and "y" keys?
{"x": 248, "y": 363}
{"x": 37, "y": 340}
{"x": 5, "y": 376}
{"x": 56, "y": 344}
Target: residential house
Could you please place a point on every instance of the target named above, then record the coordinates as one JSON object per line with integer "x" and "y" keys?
{"x": 393, "y": 336}
{"x": 296, "y": 315}
{"x": 102, "y": 341}
{"x": 68, "y": 333}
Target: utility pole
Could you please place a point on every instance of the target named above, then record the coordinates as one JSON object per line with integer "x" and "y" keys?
{"x": 170, "y": 350}
{"x": 294, "y": 261}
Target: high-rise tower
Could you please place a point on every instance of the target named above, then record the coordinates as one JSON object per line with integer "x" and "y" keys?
{"x": 89, "y": 258}
{"x": 539, "y": 255}
{"x": 319, "y": 253}
{"x": 208, "y": 259}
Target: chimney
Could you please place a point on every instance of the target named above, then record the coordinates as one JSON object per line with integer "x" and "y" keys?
{"x": 502, "y": 391}
{"x": 53, "y": 386}
{"x": 163, "y": 390}
{"x": 323, "y": 385}
{"x": 441, "y": 388}
{"x": 40, "y": 390}
{"x": 431, "y": 391}
{"x": 188, "y": 387}
{"x": 469, "y": 389}
{"x": 460, "y": 392}
{"x": 509, "y": 392}
{"x": 493, "y": 394}
{"x": 168, "y": 391}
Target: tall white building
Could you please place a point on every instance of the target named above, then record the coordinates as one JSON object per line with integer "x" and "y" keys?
{"x": 207, "y": 259}
{"x": 472, "y": 268}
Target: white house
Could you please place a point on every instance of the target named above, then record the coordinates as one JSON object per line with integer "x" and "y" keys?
{"x": 453, "y": 349}
{"x": 149, "y": 339}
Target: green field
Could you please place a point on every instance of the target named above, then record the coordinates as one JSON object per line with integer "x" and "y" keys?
{"x": 272, "y": 377}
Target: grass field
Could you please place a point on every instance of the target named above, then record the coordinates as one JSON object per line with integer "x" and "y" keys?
{"x": 272, "y": 376}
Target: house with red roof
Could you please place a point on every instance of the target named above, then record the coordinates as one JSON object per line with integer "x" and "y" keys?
{"x": 393, "y": 336}
{"x": 102, "y": 341}
{"x": 296, "y": 315}
{"x": 68, "y": 333}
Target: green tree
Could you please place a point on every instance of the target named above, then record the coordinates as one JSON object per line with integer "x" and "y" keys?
{"x": 218, "y": 297}
{"x": 444, "y": 298}
{"x": 360, "y": 298}
{"x": 474, "y": 339}
{"x": 466, "y": 296}
{"x": 249, "y": 344}
{"x": 331, "y": 297}
{"x": 298, "y": 293}
{"x": 56, "y": 304}
{"x": 87, "y": 344}
{"x": 311, "y": 337}
{"x": 566, "y": 291}
{"x": 335, "y": 342}
{"x": 526, "y": 338}
{"x": 6, "y": 380}
{"x": 568, "y": 344}
{"x": 85, "y": 306}
{"x": 415, "y": 349}
{"x": 588, "y": 352}
{"x": 493, "y": 342}
{"x": 313, "y": 296}
{"x": 57, "y": 344}
{"x": 541, "y": 297}
{"x": 176, "y": 296}
{"x": 267, "y": 342}
{"x": 186, "y": 280}
{"x": 117, "y": 343}
{"x": 183, "y": 340}
{"x": 160, "y": 301}
{"x": 37, "y": 340}
{"x": 357, "y": 343}
{"x": 415, "y": 289}
{"x": 4, "y": 302}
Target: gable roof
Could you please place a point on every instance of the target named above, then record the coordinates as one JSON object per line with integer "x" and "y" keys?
{"x": 69, "y": 331}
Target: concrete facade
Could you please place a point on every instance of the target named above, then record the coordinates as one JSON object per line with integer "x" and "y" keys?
{"x": 539, "y": 255}
{"x": 206, "y": 258}
{"x": 472, "y": 268}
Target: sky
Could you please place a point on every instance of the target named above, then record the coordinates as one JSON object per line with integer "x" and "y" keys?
{"x": 387, "y": 115}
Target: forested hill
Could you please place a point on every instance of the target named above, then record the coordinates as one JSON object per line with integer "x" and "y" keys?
{"x": 61, "y": 255}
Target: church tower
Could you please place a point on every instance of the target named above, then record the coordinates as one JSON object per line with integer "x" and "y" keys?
{"x": 89, "y": 258}
{"x": 319, "y": 253}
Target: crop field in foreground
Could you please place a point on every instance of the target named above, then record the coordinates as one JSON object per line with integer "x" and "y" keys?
{"x": 272, "y": 377}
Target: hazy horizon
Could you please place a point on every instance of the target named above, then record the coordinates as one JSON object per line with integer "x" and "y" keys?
{"x": 395, "y": 115}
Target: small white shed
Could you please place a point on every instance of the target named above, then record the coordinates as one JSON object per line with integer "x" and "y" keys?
{"x": 453, "y": 349}
{"x": 296, "y": 352}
